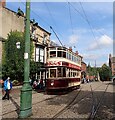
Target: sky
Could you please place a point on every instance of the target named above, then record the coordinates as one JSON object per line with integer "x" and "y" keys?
{"x": 87, "y": 27}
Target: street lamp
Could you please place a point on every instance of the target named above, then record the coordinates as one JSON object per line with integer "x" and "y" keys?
{"x": 18, "y": 45}
{"x": 26, "y": 91}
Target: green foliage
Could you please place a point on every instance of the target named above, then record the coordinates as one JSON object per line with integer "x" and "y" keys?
{"x": 15, "y": 82}
{"x": 91, "y": 70}
{"x": 13, "y": 62}
{"x": 105, "y": 72}
{"x": 34, "y": 68}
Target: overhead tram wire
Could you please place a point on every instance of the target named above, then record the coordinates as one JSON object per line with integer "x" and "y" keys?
{"x": 47, "y": 24}
{"x": 70, "y": 18}
{"x": 51, "y": 16}
{"x": 76, "y": 10}
{"x": 86, "y": 19}
{"x": 53, "y": 21}
{"x": 36, "y": 14}
{"x": 56, "y": 36}
{"x": 89, "y": 24}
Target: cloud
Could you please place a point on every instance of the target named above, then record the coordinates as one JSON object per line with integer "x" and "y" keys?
{"x": 102, "y": 42}
{"x": 95, "y": 59}
{"x": 90, "y": 56}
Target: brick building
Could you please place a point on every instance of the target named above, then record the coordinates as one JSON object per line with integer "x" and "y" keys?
{"x": 112, "y": 64}
{"x": 15, "y": 21}
{"x": 83, "y": 69}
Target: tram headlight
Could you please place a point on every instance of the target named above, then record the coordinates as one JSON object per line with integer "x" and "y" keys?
{"x": 52, "y": 84}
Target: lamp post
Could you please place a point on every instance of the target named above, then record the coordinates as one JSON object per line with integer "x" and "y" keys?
{"x": 26, "y": 91}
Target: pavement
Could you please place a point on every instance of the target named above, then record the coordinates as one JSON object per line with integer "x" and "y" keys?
{"x": 11, "y": 108}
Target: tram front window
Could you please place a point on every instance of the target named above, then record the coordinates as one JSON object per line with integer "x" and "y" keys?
{"x": 59, "y": 53}
{"x": 52, "y": 73}
{"x": 61, "y": 72}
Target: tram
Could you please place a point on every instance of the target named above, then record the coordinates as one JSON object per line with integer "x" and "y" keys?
{"x": 64, "y": 68}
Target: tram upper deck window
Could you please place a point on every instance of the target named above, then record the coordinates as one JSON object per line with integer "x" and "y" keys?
{"x": 59, "y": 53}
{"x": 52, "y": 53}
{"x": 70, "y": 56}
{"x": 64, "y": 54}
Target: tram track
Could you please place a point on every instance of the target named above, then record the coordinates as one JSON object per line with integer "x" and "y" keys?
{"x": 18, "y": 107}
{"x": 72, "y": 103}
{"x": 68, "y": 106}
{"x": 96, "y": 107}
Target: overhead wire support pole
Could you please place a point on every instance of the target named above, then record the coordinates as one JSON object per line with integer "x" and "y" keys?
{"x": 26, "y": 91}
{"x": 56, "y": 36}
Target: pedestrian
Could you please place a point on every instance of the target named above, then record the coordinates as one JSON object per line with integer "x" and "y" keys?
{"x": 7, "y": 88}
{"x": 41, "y": 84}
{"x": 35, "y": 83}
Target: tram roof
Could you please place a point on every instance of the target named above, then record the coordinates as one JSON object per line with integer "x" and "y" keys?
{"x": 63, "y": 47}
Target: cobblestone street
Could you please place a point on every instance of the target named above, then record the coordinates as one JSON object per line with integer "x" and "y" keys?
{"x": 77, "y": 104}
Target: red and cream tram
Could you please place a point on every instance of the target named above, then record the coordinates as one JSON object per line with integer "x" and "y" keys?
{"x": 64, "y": 68}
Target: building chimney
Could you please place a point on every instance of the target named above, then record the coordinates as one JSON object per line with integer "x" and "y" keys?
{"x": 70, "y": 49}
{"x": 110, "y": 56}
{"x": 76, "y": 53}
{"x": 3, "y": 3}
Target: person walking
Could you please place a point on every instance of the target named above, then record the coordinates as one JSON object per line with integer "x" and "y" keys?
{"x": 7, "y": 88}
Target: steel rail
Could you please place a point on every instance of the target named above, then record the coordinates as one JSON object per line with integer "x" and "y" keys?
{"x": 95, "y": 108}
{"x": 72, "y": 102}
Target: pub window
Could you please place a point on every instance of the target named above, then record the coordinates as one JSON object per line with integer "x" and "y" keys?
{"x": 39, "y": 57}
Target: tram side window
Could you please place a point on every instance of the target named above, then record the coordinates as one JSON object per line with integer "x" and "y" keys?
{"x": 64, "y": 72}
{"x": 61, "y": 72}
{"x": 52, "y": 53}
{"x": 70, "y": 56}
{"x": 69, "y": 74}
{"x": 52, "y": 73}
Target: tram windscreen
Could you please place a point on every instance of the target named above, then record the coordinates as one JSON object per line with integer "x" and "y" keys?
{"x": 52, "y": 73}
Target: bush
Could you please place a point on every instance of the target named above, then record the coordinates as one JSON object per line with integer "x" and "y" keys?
{"x": 15, "y": 82}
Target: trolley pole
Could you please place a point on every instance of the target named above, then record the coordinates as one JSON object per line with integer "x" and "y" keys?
{"x": 26, "y": 91}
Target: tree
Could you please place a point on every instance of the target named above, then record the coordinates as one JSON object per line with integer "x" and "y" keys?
{"x": 13, "y": 58}
{"x": 105, "y": 72}
{"x": 91, "y": 70}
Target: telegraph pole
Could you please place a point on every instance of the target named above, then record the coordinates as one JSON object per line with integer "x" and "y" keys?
{"x": 26, "y": 91}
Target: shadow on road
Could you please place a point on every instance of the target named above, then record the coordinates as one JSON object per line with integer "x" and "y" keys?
{"x": 16, "y": 105}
